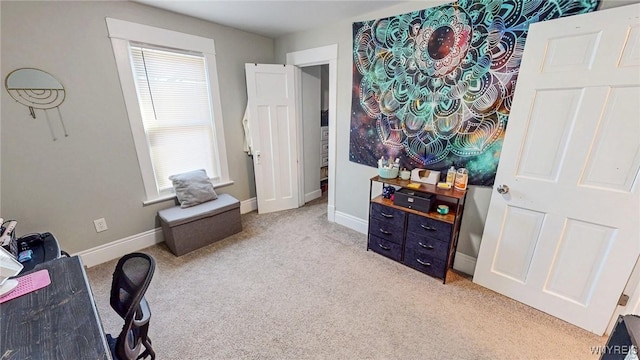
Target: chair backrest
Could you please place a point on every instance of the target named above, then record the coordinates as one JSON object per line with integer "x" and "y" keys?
{"x": 131, "y": 279}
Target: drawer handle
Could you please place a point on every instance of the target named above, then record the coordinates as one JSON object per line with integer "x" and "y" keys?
{"x": 425, "y": 246}
{"x": 384, "y": 247}
{"x": 385, "y": 232}
{"x": 388, "y": 216}
{"x": 427, "y": 227}
{"x": 423, "y": 263}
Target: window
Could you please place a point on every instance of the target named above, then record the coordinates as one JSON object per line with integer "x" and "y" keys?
{"x": 173, "y": 93}
{"x": 170, "y": 86}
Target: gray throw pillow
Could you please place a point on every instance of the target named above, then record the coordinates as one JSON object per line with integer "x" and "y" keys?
{"x": 193, "y": 188}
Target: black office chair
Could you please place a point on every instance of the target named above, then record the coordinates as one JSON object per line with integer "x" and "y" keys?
{"x": 131, "y": 279}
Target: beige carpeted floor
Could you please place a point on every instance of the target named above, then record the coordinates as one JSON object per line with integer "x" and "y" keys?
{"x": 294, "y": 286}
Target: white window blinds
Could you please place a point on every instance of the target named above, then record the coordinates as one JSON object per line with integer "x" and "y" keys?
{"x": 173, "y": 93}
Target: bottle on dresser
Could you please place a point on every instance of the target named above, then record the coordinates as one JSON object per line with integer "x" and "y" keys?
{"x": 451, "y": 176}
{"x": 462, "y": 178}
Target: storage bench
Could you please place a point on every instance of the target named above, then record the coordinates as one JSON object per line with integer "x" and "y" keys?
{"x": 187, "y": 229}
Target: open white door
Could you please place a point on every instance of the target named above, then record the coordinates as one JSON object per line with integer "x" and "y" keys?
{"x": 272, "y": 120}
{"x": 563, "y": 235}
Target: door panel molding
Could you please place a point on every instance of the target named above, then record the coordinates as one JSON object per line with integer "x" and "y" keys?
{"x": 272, "y": 118}
{"x": 571, "y": 154}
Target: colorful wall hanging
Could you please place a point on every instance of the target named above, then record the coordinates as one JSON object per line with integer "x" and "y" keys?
{"x": 434, "y": 87}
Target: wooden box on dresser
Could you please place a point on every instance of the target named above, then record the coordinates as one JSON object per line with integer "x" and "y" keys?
{"x": 425, "y": 241}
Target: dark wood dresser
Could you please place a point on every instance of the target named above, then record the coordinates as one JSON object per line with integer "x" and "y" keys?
{"x": 425, "y": 241}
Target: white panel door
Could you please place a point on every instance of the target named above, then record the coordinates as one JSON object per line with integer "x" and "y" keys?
{"x": 563, "y": 235}
{"x": 272, "y": 111}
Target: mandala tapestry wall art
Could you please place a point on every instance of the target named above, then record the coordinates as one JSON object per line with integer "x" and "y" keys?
{"x": 434, "y": 87}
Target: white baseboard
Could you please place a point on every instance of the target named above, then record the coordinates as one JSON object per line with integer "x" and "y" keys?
{"x": 312, "y": 195}
{"x": 331, "y": 213}
{"x": 352, "y": 222}
{"x": 249, "y": 205}
{"x": 116, "y": 249}
{"x": 464, "y": 263}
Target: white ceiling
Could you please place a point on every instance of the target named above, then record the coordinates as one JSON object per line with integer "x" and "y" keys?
{"x": 270, "y": 18}
{"x": 275, "y": 18}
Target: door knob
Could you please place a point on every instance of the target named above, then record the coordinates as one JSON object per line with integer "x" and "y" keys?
{"x": 502, "y": 189}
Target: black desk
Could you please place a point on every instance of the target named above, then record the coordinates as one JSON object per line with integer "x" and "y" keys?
{"x": 45, "y": 247}
{"x": 59, "y": 321}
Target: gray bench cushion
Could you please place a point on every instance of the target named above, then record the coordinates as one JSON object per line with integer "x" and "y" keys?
{"x": 177, "y": 216}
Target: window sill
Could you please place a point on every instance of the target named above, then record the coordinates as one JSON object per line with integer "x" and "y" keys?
{"x": 172, "y": 196}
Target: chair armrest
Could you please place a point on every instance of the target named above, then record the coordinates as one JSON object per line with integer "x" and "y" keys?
{"x": 145, "y": 313}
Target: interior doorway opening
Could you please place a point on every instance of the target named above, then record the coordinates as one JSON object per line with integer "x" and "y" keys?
{"x": 315, "y": 130}
{"x": 325, "y": 55}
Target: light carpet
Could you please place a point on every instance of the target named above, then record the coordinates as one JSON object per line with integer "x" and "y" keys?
{"x": 292, "y": 285}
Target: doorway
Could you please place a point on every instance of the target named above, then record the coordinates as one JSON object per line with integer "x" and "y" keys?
{"x": 315, "y": 130}
{"x": 325, "y": 55}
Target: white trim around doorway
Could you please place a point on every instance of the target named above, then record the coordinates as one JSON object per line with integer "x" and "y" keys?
{"x": 321, "y": 56}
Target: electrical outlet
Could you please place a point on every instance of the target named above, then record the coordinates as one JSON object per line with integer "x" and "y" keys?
{"x": 100, "y": 224}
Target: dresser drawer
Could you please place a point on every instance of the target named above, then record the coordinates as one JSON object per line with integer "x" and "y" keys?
{"x": 385, "y": 247}
{"x": 428, "y": 246}
{"x": 424, "y": 263}
{"x": 386, "y": 230}
{"x": 387, "y": 214}
{"x": 429, "y": 227}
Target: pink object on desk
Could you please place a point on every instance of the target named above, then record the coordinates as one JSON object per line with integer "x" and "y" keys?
{"x": 27, "y": 284}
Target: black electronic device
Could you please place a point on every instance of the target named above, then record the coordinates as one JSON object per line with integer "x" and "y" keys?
{"x": 44, "y": 246}
{"x": 412, "y": 199}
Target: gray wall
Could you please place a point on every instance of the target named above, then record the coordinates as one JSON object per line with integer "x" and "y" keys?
{"x": 63, "y": 186}
{"x": 352, "y": 180}
{"x": 311, "y": 127}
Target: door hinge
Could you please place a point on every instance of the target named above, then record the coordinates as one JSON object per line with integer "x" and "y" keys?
{"x": 624, "y": 299}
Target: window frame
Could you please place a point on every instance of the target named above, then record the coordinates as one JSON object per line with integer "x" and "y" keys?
{"x": 121, "y": 33}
